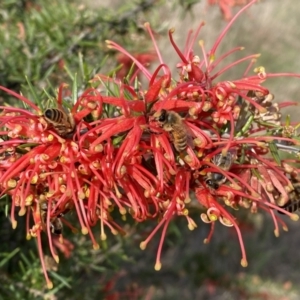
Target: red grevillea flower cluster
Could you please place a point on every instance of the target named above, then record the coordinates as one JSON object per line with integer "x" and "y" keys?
{"x": 154, "y": 152}
{"x": 226, "y": 6}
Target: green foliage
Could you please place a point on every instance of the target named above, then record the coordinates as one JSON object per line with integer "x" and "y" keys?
{"x": 39, "y": 38}
{"x": 42, "y": 44}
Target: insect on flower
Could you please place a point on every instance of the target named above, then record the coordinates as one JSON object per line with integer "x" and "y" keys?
{"x": 215, "y": 179}
{"x": 172, "y": 122}
{"x": 293, "y": 203}
{"x": 61, "y": 121}
{"x": 292, "y": 206}
{"x": 55, "y": 223}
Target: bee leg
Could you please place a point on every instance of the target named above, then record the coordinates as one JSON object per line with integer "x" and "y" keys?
{"x": 52, "y": 229}
{"x": 155, "y": 132}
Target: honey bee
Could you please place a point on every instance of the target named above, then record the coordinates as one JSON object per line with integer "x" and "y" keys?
{"x": 61, "y": 121}
{"x": 172, "y": 122}
{"x": 56, "y": 224}
{"x": 291, "y": 206}
{"x": 215, "y": 179}
{"x": 293, "y": 203}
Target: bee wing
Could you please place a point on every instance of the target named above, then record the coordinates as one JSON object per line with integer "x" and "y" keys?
{"x": 226, "y": 161}
{"x": 190, "y": 141}
{"x": 244, "y": 114}
{"x": 190, "y": 136}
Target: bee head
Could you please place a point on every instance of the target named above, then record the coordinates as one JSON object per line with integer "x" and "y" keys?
{"x": 217, "y": 176}
{"x": 212, "y": 184}
{"x": 162, "y": 116}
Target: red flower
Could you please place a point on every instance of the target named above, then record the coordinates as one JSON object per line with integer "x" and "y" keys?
{"x": 226, "y": 5}
{"x": 144, "y": 58}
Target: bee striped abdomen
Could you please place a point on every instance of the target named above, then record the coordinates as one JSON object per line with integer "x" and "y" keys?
{"x": 180, "y": 139}
{"x": 56, "y": 224}
{"x": 54, "y": 115}
{"x": 172, "y": 122}
{"x": 60, "y": 121}
{"x": 292, "y": 206}
{"x": 215, "y": 179}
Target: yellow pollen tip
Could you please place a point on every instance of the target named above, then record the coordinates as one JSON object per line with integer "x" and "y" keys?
{"x": 172, "y": 30}
{"x": 96, "y": 246}
{"x": 294, "y": 217}
{"x": 49, "y": 285}
{"x": 224, "y": 152}
{"x": 84, "y": 230}
{"x": 87, "y": 193}
{"x": 157, "y": 266}
{"x": 244, "y": 263}
{"x": 285, "y": 228}
{"x": 187, "y": 159}
{"x": 276, "y": 232}
{"x": 146, "y": 24}
{"x": 50, "y": 138}
{"x": 205, "y": 241}
{"x": 197, "y": 141}
{"x": 185, "y": 212}
{"x": 12, "y": 183}
{"x": 29, "y": 200}
{"x": 22, "y": 211}
{"x": 81, "y": 195}
{"x": 143, "y": 245}
{"x": 232, "y": 85}
{"x": 213, "y": 217}
{"x": 103, "y": 237}
{"x": 259, "y": 70}
{"x": 34, "y": 179}
{"x": 114, "y": 232}
{"x": 122, "y": 211}
{"x": 242, "y": 48}
{"x": 98, "y": 148}
{"x": 123, "y": 170}
{"x": 28, "y": 236}
{"x": 191, "y": 227}
{"x": 262, "y": 110}
{"x": 201, "y": 42}
{"x": 65, "y": 85}
{"x": 187, "y": 200}
{"x": 56, "y": 258}
{"x": 45, "y": 156}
